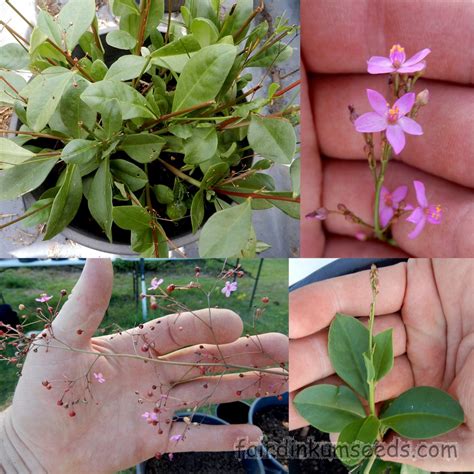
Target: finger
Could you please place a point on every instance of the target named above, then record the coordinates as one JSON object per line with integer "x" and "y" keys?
{"x": 202, "y": 437}
{"x": 266, "y": 350}
{"x": 313, "y": 307}
{"x": 348, "y": 247}
{"x": 232, "y": 387}
{"x": 84, "y": 310}
{"x": 312, "y": 237}
{"x": 444, "y": 149}
{"x": 343, "y": 181}
{"x": 339, "y": 37}
{"x": 309, "y": 356}
{"x": 175, "y": 331}
{"x": 397, "y": 381}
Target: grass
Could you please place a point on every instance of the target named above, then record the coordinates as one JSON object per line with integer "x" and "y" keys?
{"x": 22, "y": 286}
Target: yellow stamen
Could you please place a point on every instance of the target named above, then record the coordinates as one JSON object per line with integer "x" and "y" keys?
{"x": 398, "y": 48}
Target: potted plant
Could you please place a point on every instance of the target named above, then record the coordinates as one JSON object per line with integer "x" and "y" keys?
{"x": 157, "y": 140}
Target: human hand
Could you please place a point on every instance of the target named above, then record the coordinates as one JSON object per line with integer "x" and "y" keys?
{"x": 337, "y": 40}
{"x": 109, "y": 433}
{"x": 429, "y": 305}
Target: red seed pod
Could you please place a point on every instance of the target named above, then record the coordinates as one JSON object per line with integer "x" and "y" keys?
{"x": 79, "y": 332}
{"x": 238, "y": 393}
{"x": 145, "y": 348}
{"x": 205, "y": 385}
{"x": 240, "y": 274}
{"x": 72, "y": 413}
{"x": 45, "y": 383}
{"x": 63, "y": 292}
{"x": 59, "y": 403}
{"x": 257, "y": 395}
{"x": 158, "y": 455}
{"x": 49, "y": 387}
{"x": 153, "y": 303}
{"x": 279, "y": 397}
{"x": 265, "y": 300}
{"x": 170, "y": 288}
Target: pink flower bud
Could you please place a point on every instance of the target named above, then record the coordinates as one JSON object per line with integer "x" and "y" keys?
{"x": 423, "y": 97}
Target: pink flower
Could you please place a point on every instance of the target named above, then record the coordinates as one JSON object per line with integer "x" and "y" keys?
{"x": 424, "y": 212}
{"x": 361, "y": 236}
{"x": 155, "y": 283}
{"x": 150, "y": 416}
{"x": 99, "y": 377}
{"x": 320, "y": 214}
{"x": 392, "y": 120}
{"x": 43, "y": 298}
{"x": 397, "y": 62}
{"x": 176, "y": 438}
{"x": 170, "y": 456}
{"x": 229, "y": 288}
{"x": 389, "y": 203}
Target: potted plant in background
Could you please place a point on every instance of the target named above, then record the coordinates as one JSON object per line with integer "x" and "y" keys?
{"x": 157, "y": 139}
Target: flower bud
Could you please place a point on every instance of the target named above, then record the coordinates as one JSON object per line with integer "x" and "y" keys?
{"x": 63, "y": 292}
{"x": 21, "y": 307}
{"x": 423, "y": 98}
{"x": 320, "y": 214}
{"x": 265, "y": 300}
{"x": 170, "y": 288}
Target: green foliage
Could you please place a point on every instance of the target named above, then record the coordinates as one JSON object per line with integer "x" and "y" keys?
{"x": 172, "y": 109}
{"x": 361, "y": 359}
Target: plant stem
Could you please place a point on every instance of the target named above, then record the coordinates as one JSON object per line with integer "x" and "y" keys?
{"x": 8, "y": 2}
{"x": 33, "y": 134}
{"x": 24, "y": 216}
{"x": 143, "y": 21}
{"x": 180, "y": 174}
{"x": 378, "y": 188}
{"x": 374, "y": 286}
{"x": 249, "y": 20}
{"x": 71, "y": 61}
{"x": 370, "y": 464}
{"x": 256, "y": 195}
{"x": 287, "y": 89}
{"x": 162, "y": 118}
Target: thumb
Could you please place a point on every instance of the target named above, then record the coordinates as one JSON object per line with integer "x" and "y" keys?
{"x": 84, "y": 310}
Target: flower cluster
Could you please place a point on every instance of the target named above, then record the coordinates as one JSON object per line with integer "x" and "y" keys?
{"x": 392, "y": 119}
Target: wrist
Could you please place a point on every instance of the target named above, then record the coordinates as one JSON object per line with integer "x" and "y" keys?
{"x": 15, "y": 456}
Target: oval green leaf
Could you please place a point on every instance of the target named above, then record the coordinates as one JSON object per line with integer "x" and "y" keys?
{"x": 422, "y": 413}
{"x": 80, "y": 151}
{"x": 126, "y": 68}
{"x": 120, "y": 39}
{"x": 75, "y": 18}
{"x": 12, "y": 154}
{"x": 142, "y": 147}
{"x": 329, "y": 408}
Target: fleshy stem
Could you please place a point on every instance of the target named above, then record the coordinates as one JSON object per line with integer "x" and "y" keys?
{"x": 370, "y": 464}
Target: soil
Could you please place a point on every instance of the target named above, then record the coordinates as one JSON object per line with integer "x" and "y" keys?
{"x": 198, "y": 463}
{"x": 308, "y": 437}
{"x": 273, "y": 422}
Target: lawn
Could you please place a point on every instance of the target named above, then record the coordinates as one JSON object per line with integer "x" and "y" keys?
{"x": 23, "y": 285}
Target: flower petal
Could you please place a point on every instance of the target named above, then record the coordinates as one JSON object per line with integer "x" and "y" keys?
{"x": 378, "y": 102}
{"x": 386, "y": 213}
{"x": 414, "y": 68}
{"x": 379, "y": 65}
{"x": 405, "y": 103}
{"x": 400, "y": 194}
{"x": 417, "y": 57}
{"x": 410, "y": 126}
{"x": 420, "y": 194}
{"x": 396, "y": 138}
{"x": 417, "y": 230}
{"x": 370, "y": 122}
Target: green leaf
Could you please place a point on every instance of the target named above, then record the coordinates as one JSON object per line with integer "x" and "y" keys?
{"x": 356, "y": 437}
{"x": 124, "y": 7}
{"x": 80, "y": 151}
{"x": 143, "y": 242}
{"x": 205, "y": 31}
{"x": 329, "y": 408}
{"x": 47, "y": 90}
{"x": 275, "y": 54}
{"x": 132, "y": 103}
{"x": 8, "y": 96}
{"x": 214, "y": 174}
{"x": 157, "y": 10}
{"x": 204, "y": 75}
{"x": 175, "y": 55}
{"x": 49, "y": 27}
{"x": 143, "y": 147}
{"x": 383, "y": 355}
{"x": 295, "y": 174}
{"x": 75, "y": 18}
{"x": 348, "y": 340}
{"x": 111, "y": 118}
{"x": 164, "y": 194}
{"x": 422, "y": 413}
{"x": 13, "y": 56}
{"x": 41, "y": 217}
{"x": 73, "y": 111}
{"x": 132, "y": 218}
{"x": 406, "y": 469}
{"x": 120, "y": 39}
{"x": 369, "y": 367}
{"x": 98, "y": 70}
{"x": 66, "y": 203}
{"x": 197, "y": 210}
{"x": 23, "y": 178}
{"x": 100, "y": 198}
{"x": 202, "y": 146}
{"x": 274, "y": 139}
{"x": 227, "y": 232}
{"x": 236, "y": 19}
{"x": 128, "y": 173}
{"x": 126, "y": 68}
{"x": 12, "y": 154}
{"x": 291, "y": 209}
